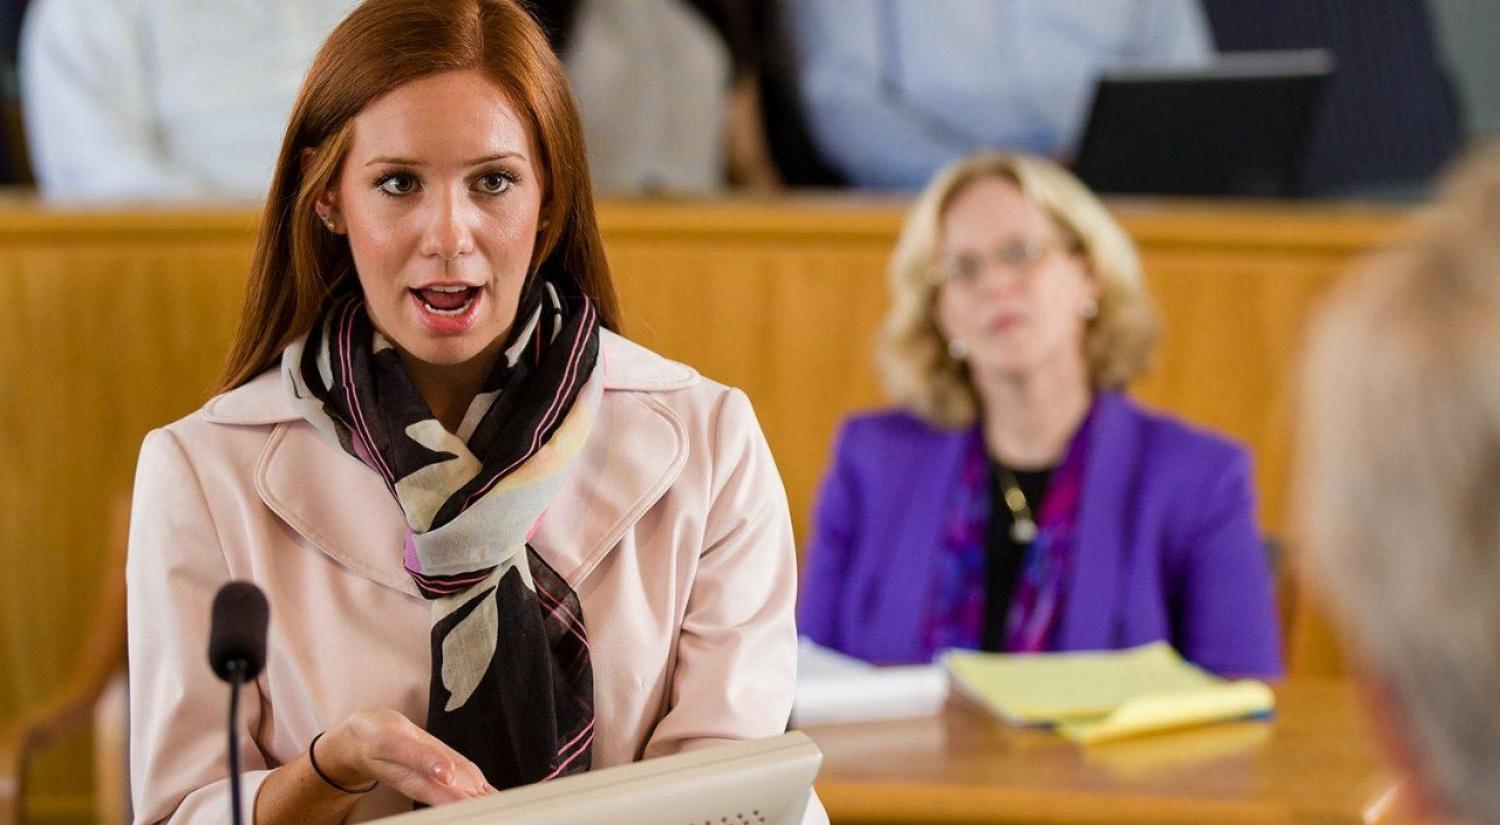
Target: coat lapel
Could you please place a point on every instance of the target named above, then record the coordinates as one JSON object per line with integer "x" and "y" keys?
{"x": 335, "y": 502}
{"x": 907, "y": 602}
{"x": 616, "y": 481}
{"x": 341, "y": 506}
{"x": 1093, "y": 587}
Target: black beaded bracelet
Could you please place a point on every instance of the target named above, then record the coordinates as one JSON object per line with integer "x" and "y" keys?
{"x": 323, "y": 776}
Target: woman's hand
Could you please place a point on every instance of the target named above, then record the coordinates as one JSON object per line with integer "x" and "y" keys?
{"x": 384, "y": 745}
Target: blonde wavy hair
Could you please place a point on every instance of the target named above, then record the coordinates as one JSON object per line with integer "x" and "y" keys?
{"x": 912, "y": 356}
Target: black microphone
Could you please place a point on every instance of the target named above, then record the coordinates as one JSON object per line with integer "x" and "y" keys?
{"x": 237, "y": 638}
{"x": 237, "y": 652}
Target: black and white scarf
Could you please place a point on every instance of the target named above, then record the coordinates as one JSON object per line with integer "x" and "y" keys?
{"x": 511, "y": 685}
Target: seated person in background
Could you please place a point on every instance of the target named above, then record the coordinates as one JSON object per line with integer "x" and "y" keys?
{"x": 1016, "y": 500}
{"x": 896, "y": 89}
{"x": 652, "y": 78}
{"x": 168, "y": 100}
{"x": 183, "y": 100}
{"x": 1400, "y": 465}
{"x": 1389, "y": 117}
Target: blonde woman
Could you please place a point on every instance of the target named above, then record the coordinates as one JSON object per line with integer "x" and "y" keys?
{"x": 1399, "y": 463}
{"x": 1016, "y": 500}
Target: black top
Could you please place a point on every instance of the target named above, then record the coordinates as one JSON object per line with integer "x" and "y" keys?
{"x": 1003, "y": 556}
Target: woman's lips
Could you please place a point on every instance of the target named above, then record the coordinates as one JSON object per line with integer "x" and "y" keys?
{"x": 446, "y": 299}
{"x": 447, "y": 310}
{"x": 1005, "y": 323}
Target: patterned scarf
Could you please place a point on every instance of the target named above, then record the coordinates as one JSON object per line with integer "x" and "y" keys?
{"x": 1036, "y": 606}
{"x": 511, "y": 685}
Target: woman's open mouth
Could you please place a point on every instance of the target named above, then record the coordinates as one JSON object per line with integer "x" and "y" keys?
{"x": 448, "y": 301}
{"x": 447, "y": 309}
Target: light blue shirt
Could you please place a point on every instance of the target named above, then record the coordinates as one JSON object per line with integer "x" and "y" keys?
{"x": 896, "y": 89}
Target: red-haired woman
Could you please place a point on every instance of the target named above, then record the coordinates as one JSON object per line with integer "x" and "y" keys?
{"x": 500, "y": 542}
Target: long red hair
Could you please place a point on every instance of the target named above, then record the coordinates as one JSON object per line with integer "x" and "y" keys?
{"x": 381, "y": 45}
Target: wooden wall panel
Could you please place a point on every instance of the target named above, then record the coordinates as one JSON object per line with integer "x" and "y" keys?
{"x": 116, "y": 321}
{"x": 791, "y": 326}
{"x": 1232, "y": 327}
{"x": 103, "y": 335}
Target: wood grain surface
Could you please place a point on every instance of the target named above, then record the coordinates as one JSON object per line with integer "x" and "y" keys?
{"x": 1315, "y": 761}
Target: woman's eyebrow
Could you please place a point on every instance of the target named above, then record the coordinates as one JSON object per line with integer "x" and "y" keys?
{"x": 398, "y": 161}
{"x": 493, "y": 158}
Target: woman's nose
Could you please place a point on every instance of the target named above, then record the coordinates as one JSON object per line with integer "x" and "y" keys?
{"x": 449, "y": 234}
{"x": 996, "y": 278}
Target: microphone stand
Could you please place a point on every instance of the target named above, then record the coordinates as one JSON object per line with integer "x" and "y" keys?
{"x": 237, "y": 652}
{"x": 236, "y": 670}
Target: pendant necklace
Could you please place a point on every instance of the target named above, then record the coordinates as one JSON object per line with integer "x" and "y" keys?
{"x": 1022, "y": 525}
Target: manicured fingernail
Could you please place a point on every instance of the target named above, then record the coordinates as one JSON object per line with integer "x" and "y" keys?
{"x": 442, "y": 773}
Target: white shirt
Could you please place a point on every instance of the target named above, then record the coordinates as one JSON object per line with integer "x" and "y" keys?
{"x": 164, "y": 99}
{"x": 652, "y": 81}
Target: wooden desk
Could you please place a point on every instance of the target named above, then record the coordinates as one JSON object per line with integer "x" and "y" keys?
{"x": 1316, "y": 762}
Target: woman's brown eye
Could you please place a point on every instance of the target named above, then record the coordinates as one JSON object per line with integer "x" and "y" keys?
{"x": 397, "y": 184}
{"x": 960, "y": 269}
{"x": 494, "y": 183}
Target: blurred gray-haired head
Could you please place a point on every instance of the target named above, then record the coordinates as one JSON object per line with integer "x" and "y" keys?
{"x": 1399, "y": 499}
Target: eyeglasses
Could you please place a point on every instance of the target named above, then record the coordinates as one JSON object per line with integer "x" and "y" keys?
{"x": 1020, "y": 258}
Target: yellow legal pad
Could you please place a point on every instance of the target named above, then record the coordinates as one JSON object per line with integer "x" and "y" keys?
{"x": 1098, "y": 697}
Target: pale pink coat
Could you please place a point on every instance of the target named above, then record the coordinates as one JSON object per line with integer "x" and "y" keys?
{"x": 673, "y": 529}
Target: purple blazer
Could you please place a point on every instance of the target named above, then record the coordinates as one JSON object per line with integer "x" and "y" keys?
{"x": 1167, "y": 543}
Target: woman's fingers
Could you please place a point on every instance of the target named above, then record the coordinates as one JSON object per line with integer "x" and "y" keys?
{"x": 424, "y": 768}
{"x": 400, "y": 754}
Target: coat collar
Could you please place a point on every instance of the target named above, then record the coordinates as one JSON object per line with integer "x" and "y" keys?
{"x": 343, "y": 508}
{"x": 1094, "y": 585}
{"x": 627, "y": 366}
{"x": 919, "y": 540}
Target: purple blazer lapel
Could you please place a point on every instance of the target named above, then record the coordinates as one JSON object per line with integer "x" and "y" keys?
{"x": 1093, "y": 588}
{"x": 917, "y": 533}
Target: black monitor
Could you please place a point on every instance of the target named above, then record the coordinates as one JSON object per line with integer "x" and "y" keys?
{"x": 1236, "y": 127}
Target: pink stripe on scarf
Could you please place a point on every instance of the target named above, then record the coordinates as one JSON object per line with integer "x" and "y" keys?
{"x": 550, "y": 415}
{"x": 346, "y": 325}
{"x": 588, "y": 729}
{"x": 573, "y": 622}
{"x": 448, "y": 586}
